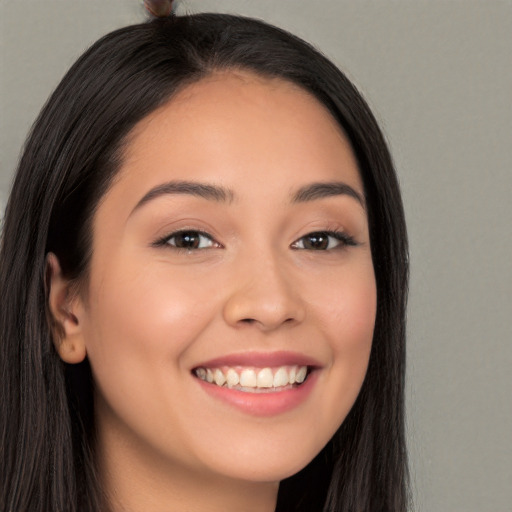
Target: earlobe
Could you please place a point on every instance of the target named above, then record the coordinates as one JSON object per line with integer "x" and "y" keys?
{"x": 64, "y": 311}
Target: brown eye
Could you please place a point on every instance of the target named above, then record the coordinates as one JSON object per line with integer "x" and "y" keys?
{"x": 190, "y": 240}
{"x": 323, "y": 241}
{"x": 316, "y": 241}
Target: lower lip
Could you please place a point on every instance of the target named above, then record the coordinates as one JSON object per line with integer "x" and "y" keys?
{"x": 262, "y": 404}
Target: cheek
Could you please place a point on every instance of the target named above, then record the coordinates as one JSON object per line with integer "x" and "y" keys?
{"x": 148, "y": 306}
{"x": 138, "y": 333}
{"x": 345, "y": 304}
{"x": 346, "y": 313}
{"x": 142, "y": 321}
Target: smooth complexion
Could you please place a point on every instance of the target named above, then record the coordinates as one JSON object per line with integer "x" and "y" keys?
{"x": 255, "y": 284}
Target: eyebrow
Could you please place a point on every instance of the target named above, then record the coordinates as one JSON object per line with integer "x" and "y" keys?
{"x": 220, "y": 194}
{"x": 323, "y": 190}
{"x": 204, "y": 190}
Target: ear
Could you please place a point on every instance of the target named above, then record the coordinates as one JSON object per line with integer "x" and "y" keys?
{"x": 65, "y": 309}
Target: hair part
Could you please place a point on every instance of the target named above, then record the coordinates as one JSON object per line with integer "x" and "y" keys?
{"x": 71, "y": 158}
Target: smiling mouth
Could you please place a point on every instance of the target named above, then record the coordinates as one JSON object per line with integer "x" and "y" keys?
{"x": 253, "y": 379}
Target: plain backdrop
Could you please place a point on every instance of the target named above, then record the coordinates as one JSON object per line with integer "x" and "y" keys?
{"x": 438, "y": 75}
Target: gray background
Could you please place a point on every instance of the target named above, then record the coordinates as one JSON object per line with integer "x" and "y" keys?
{"x": 438, "y": 75}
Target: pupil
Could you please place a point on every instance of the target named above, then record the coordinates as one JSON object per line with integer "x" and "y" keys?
{"x": 317, "y": 241}
{"x": 187, "y": 240}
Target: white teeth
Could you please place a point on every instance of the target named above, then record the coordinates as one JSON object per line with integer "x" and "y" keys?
{"x": 301, "y": 374}
{"x": 251, "y": 379}
{"x": 219, "y": 377}
{"x": 266, "y": 379}
{"x": 232, "y": 378}
{"x": 248, "y": 379}
{"x": 281, "y": 378}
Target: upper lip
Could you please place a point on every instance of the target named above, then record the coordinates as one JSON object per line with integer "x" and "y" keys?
{"x": 261, "y": 360}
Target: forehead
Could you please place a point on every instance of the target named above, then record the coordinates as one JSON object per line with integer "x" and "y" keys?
{"x": 219, "y": 96}
{"x": 240, "y": 130}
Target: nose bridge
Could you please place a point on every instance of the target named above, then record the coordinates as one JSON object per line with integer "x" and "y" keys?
{"x": 263, "y": 292}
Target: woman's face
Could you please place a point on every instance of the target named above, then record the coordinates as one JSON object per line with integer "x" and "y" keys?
{"x": 233, "y": 245}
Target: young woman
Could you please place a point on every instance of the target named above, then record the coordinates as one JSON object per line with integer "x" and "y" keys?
{"x": 203, "y": 278}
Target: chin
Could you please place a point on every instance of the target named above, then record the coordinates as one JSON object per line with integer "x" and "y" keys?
{"x": 265, "y": 469}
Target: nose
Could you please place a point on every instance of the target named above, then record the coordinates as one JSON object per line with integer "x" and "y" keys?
{"x": 263, "y": 295}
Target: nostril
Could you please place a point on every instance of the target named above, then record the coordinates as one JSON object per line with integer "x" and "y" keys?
{"x": 253, "y": 320}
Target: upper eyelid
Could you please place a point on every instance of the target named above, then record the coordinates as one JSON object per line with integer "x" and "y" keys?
{"x": 190, "y": 230}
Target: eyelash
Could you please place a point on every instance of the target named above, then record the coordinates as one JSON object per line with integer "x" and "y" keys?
{"x": 343, "y": 238}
